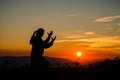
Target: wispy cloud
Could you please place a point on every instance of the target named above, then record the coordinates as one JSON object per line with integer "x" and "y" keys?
{"x": 75, "y": 37}
{"x": 98, "y": 43}
{"x": 74, "y": 40}
{"x": 109, "y": 28}
{"x": 118, "y": 24}
{"x": 71, "y": 15}
{"x": 107, "y": 19}
{"x": 89, "y": 33}
{"x": 106, "y": 42}
{"x": 90, "y": 17}
{"x": 63, "y": 40}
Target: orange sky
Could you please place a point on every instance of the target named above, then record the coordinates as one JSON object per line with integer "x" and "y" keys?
{"x": 90, "y": 27}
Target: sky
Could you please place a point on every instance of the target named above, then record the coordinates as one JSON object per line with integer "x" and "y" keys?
{"x": 89, "y": 26}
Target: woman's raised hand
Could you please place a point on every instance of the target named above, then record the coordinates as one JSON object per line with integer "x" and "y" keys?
{"x": 51, "y": 32}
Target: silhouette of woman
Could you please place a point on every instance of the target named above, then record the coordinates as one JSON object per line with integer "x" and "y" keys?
{"x": 38, "y": 46}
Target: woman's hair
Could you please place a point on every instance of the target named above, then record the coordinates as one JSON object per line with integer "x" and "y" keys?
{"x": 40, "y": 32}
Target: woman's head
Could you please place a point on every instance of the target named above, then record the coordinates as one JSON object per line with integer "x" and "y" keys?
{"x": 40, "y": 32}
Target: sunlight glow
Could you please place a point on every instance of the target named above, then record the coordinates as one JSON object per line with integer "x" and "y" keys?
{"x": 79, "y": 54}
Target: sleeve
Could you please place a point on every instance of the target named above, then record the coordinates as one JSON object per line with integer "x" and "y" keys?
{"x": 49, "y": 44}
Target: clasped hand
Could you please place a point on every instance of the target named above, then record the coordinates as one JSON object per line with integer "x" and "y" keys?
{"x": 50, "y": 34}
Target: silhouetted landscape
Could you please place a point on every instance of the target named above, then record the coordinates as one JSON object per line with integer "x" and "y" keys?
{"x": 10, "y": 61}
{"x": 60, "y": 39}
{"x": 19, "y": 68}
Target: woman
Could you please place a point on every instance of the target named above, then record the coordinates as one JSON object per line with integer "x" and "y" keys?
{"x": 38, "y": 46}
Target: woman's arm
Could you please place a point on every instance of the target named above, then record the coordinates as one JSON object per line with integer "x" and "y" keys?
{"x": 50, "y": 43}
{"x": 48, "y": 38}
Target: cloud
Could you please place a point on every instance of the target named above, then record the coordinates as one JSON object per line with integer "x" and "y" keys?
{"x": 71, "y": 15}
{"x": 109, "y": 28}
{"x": 68, "y": 15}
{"x": 118, "y": 24}
{"x": 106, "y": 42}
{"x": 107, "y": 19}
{"x": 59, "y": 41}
{"x": 75, "y": 37}
{"x": 90, "y": 17}
{"x": 118, "y": 30}
{"x": 55, "y": 15}
{"x": 89, "y": 33}
{"x": 94, "y": 42}
{"x": 74, "y": 40}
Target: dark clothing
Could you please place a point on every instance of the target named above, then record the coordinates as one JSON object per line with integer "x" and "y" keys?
{"x": 38, "y": 46}
{"x": 37, "y": 49}
{"x": 41, "y": 61}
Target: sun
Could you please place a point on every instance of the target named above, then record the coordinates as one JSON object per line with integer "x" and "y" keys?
{"x": 78, "y": 53}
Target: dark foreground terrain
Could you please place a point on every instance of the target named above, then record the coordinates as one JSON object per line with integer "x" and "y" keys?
{"x": 104, "y": 70}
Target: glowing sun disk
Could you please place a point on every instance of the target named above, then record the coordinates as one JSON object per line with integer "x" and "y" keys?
{"x": 79, "y": 54}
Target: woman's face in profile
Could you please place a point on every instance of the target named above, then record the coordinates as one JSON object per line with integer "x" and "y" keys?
{"x": 40, "y": 33}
